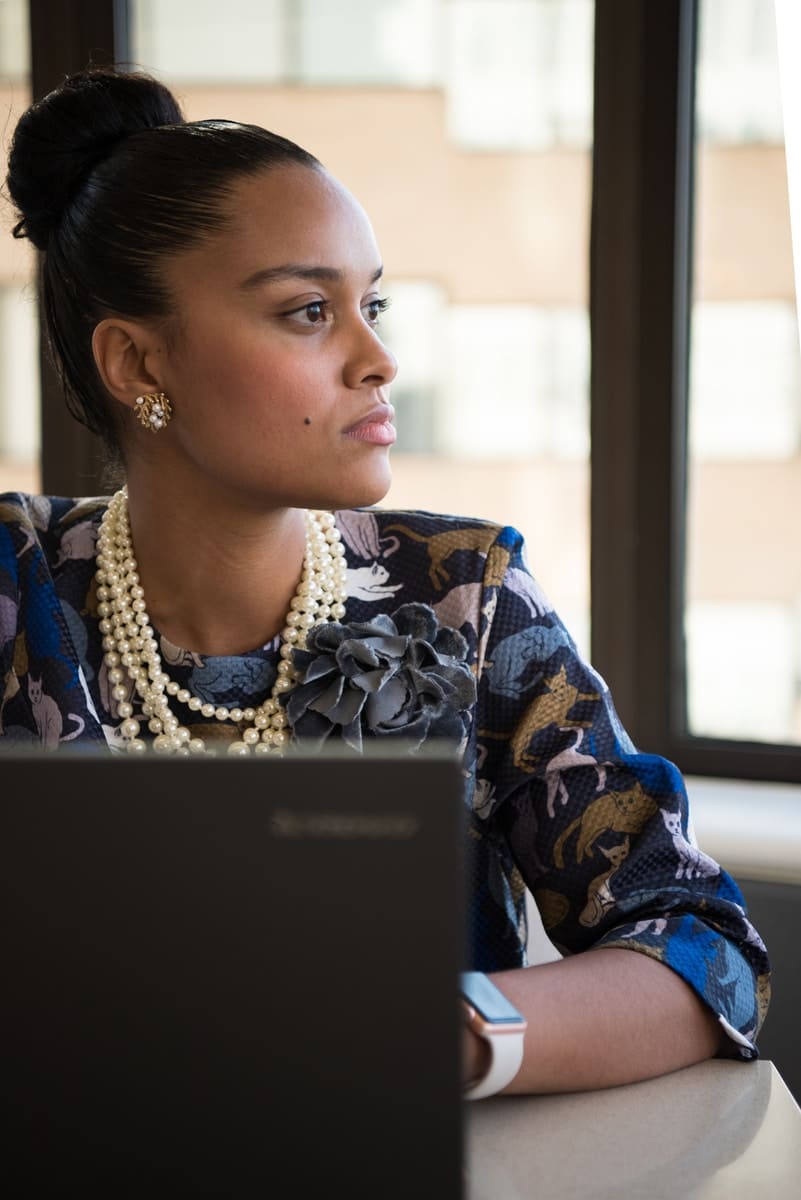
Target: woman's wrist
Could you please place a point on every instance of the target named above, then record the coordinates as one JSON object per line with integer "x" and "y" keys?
{"x": 476, "y": 1058}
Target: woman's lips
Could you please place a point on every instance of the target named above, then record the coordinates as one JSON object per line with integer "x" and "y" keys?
{"x": 376, "y": 427}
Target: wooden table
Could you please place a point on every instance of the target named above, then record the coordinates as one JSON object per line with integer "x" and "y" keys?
{"x": 716, "y": 1131}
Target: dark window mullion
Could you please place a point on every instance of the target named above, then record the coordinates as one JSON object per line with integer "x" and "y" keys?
{"x": 637, "y": 443}
{"x": 66, "y": 37}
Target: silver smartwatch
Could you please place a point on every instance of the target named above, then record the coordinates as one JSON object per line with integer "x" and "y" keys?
{"x": 503, "y": 1028}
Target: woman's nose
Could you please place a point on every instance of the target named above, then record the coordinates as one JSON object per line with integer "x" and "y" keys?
{"x": 370, "y": 362}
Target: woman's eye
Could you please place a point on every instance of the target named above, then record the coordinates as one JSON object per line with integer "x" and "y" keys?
{"x": 314, "y": 313}
{"x": 374, "y": 308}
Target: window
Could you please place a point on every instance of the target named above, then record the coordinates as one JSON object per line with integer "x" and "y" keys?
{"x": 695, "y": 393}
{"x": 475, "y": 219}
{"x": 743, "y": 588}
{"x": 19, "y": 387}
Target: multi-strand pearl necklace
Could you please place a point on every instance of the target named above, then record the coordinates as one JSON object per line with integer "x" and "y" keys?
{"x": 131, "y": 648}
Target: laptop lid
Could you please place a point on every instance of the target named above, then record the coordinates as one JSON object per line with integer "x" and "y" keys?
{"x": 232, "y": 976}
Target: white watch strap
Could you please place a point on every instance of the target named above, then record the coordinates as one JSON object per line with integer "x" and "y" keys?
{"x": 506, "y": 1055}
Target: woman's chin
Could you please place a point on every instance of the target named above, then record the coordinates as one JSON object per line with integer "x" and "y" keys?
{"x": 358, "y": 493}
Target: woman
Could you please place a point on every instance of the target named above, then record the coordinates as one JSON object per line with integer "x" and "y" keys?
{"x": 212, "y": 298}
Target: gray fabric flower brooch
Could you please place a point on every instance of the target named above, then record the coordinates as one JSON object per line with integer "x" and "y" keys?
{"x": 403, "y": 676}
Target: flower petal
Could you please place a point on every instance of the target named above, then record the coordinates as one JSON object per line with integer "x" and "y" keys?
{"x": 384, "y": 705}
{"x": 416, "y": 620}
{"x": 346, "y": 709}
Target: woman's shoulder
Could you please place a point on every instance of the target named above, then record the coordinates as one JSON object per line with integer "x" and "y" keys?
{"x": 45, "y": 521}
{"x": 441, "y": 551}
{"x": 419, "y": 524}
{"x": 46, "y": 512}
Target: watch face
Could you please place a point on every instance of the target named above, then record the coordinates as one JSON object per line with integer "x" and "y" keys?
{"x": 488, "y": 1001}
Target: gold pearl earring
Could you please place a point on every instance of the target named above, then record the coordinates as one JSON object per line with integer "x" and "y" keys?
{"x": 153, "y": 410}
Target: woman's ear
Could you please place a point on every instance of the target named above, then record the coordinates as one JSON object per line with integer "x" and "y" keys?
{"x": 124, "y": 352}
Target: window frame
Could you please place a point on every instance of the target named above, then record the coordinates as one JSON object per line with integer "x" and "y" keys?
{"x": 640, "y": 304}
{"x": 641, "y": 249}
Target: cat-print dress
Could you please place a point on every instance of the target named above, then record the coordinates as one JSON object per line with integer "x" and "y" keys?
{"x": 559, "y": 801}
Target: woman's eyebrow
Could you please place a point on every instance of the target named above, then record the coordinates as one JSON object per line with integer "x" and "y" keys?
{"x": 299, "y": 271}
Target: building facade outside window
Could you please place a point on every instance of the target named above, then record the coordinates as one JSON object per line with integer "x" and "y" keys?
{"x": 743, "y": 597}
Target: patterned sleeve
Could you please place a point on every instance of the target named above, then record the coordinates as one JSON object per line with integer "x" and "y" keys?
{"x": 12, "y": 538}
{"x": 598, "y": 831}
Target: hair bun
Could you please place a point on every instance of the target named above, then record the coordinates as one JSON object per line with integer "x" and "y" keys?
{"x": 61, "y": 137}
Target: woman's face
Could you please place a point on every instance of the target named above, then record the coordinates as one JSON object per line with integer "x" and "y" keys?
{"x": 278, "y": 380}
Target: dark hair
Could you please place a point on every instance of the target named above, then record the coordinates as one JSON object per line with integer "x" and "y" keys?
{"x": 109, "y": 180}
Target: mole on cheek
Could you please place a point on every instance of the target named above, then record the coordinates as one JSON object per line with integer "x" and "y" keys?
{"x": 307, "y": 420}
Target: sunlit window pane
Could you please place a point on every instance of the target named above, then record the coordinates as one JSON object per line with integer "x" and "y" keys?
{"x": 205, "y": 40}
{"x": 745, "y": 353}
{"x": 743, "y": 617}
{"x": 19, "y": 377}
{"x": 403, "y": 38}
{"x": 19, "y": 410}
{"x": 519, "y": 73}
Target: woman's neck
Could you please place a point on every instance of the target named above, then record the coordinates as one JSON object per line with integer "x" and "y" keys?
{"x": 216, "y": 581}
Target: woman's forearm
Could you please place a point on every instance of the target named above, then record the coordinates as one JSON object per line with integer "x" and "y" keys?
{"x": 602, "y": 1018}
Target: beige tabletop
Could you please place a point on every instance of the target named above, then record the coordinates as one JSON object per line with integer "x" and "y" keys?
{"x": 716, "y": 1131}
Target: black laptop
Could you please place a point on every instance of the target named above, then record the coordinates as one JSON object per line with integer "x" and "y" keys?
{"x": 231, "y": 977}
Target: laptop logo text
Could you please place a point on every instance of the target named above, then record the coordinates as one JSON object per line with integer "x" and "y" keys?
{"x": 288, "y": 823}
